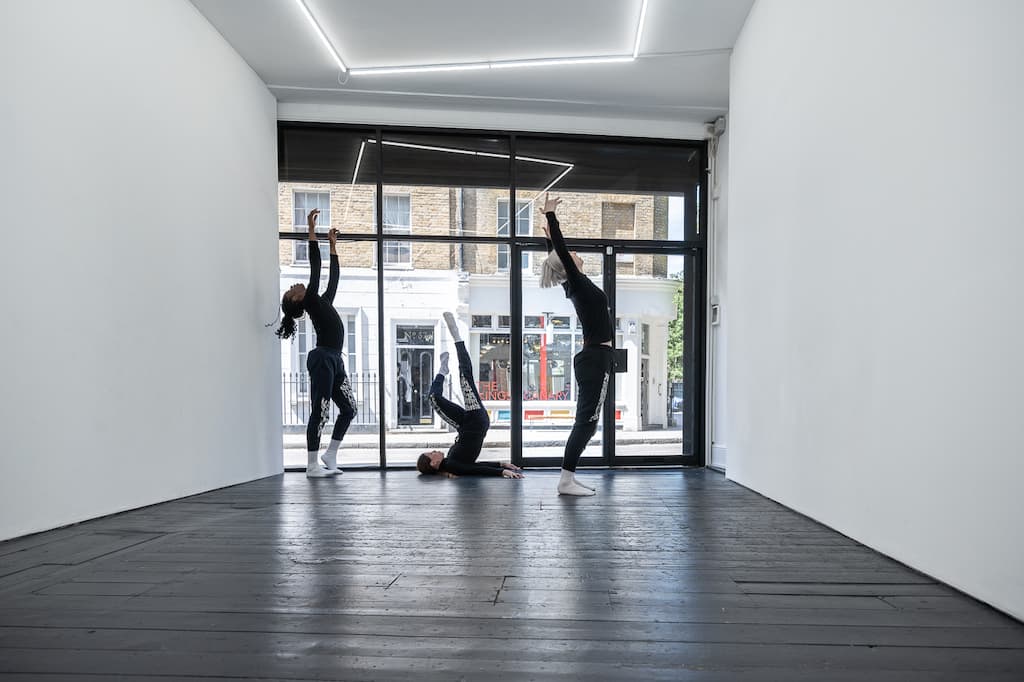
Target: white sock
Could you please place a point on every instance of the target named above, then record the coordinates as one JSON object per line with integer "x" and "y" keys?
{"x": 582, "y": 484}
{"x": 330, "y": 458}
{"x": 567, "y": 485}
{"x": 313, "y": 468}
{"x": 444, "y": 363}
{"x": 453, "y": 328}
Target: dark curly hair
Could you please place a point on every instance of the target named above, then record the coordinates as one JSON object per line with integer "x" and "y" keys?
{"x": 423, "y": 465}
{"x": 291, "y": 310}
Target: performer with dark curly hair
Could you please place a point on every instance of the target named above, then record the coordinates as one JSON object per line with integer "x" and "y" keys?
{"x": 327, "y": 377}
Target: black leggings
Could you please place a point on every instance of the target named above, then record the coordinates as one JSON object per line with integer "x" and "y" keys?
{"x": 328, "y": 381}
{"x": 593, "y": 367}
{"x": 473, "y": 415}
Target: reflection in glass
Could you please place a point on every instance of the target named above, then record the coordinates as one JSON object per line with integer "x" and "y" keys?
{"x": 416, "y": 295}
{"x": 552, "y": 337}
{"x": 652, "y": 330}
{"x": 616, "y": 193}
{"x": 524, "y": 227}
{"x": 356, "y": 303}
{"x": 456, "y": 186}
{"x": 493, "y": 376}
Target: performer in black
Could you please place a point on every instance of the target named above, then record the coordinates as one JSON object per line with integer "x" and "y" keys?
{"x": 471, "y": 422}
{"x": 327, "y": 377}
{"x": 594, "y": 365}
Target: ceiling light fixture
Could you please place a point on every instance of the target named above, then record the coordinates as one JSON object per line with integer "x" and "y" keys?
{"x": 480, "y": 66}
{"x": 548, "y": 161}
{"x": 639, "y": 29}
{"x": 323, "y": 36}
{"x": 385, "y": 70}
{"x": 468, "y": 152}
{"x": 359, "y": 160}
{"x": 430, "y": 148}
{"x": 477, "y": 66}
{"x": 559, "y": 61}
{"x": 451, "y": 150}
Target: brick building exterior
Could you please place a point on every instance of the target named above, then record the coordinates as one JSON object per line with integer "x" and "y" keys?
{"x": 475, "y": 213}
{"x": 422, "y": 280}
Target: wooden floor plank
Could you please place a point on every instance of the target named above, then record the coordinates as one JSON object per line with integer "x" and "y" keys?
{"x": 673, "y": 575}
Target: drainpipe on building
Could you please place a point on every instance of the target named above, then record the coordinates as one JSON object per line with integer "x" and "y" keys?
{"x": 459, "y": 254}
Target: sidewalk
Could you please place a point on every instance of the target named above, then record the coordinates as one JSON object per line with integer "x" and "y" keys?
{"x": 363, "y": 449}
{"x": 496, "y": 438}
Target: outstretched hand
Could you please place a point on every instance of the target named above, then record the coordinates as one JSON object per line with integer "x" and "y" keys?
{"x": 332, "y": 235}
{"x": 311, "y": 218}
{"x": 550, "y": 204}
{"x": 508, "y": 473}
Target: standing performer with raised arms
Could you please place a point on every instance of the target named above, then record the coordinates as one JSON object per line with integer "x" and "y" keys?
{"x": 327, "y": 377}
{"x": 594, "y": 365}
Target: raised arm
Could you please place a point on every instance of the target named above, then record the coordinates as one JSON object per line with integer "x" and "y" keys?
{"x": 475, "y": 469}
{"x": 555, "y": 240}
{"x": 313, "y": 253}
{"x": 332, "y": 278}
{"x": 505, "y": 470}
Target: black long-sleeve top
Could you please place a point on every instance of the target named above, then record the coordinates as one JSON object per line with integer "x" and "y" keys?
{"x": 454, "y": 465}
{"x": 330, "y": 332}
{"x": 461, "y": 458}
{"x": 590, "y": 302}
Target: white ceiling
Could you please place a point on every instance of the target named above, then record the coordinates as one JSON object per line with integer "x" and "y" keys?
{"x": 682, "y": 72}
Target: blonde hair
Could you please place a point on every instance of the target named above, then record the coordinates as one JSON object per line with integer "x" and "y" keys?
{"x": 552, "y": 271}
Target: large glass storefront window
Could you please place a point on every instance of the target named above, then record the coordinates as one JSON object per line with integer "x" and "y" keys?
{"x": 433, "y": 222}
{"x": 355, "y": 302}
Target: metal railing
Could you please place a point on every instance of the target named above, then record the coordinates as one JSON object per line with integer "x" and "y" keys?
{"x": 295, "y": 404}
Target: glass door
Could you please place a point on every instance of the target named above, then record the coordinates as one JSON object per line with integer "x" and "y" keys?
{"x": 654, "y": 407}
{"x": 414, "y": 348}
{"x": 551, "y": 337}
{"x": 436, "y": 221}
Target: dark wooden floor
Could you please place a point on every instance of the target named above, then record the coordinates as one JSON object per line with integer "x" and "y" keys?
{"x": 661, "y": 576}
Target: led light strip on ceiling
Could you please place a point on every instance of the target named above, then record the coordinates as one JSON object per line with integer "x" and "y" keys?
{"x": 468, "y": 152}
{"x": 475, "y": 66}
{"x": 323, "y": 36}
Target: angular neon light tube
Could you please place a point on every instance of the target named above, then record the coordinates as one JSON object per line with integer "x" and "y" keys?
{"x": 323, "y": 36}
{"x": 450, "y": 150}
{"x": 530, "y": 158}
{"x": 560, "y": 61}
{"x": 480, "y": 66}
{"x": 468, "y": 152}
{"x": 474, "y": 66}
{"x": 385, "y": 70}
{"x": 550, "y": 185}
{"x": 639, "y": 29}
{"x": 455, "y": 150}
{"x": 359, "y": 160}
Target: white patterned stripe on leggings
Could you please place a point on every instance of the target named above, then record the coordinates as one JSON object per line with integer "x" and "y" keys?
{"x": 468, "y": 395}
{"x": 346, "y": 390}
{"x": 325, "y": 411}
{"x": 445, "y": 417}
{"x": 600, "y": 400}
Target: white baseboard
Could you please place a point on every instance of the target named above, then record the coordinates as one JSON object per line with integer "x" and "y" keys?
{"x": 718, "y": 459}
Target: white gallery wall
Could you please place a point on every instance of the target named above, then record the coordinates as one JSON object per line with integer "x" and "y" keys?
{"x": 139, "y": 261}
{"x": 875, "y": 373}
{"x": 718, "y": 279}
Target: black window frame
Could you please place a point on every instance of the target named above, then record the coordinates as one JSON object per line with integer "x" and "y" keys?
{"x": 693, "y": 244}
